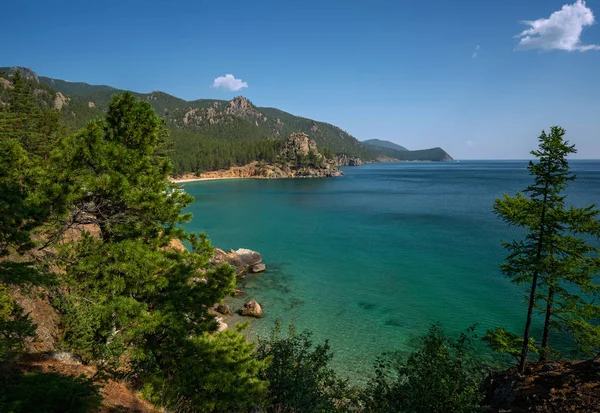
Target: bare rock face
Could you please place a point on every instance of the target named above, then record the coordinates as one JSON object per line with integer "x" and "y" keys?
{"x": 26, "y": 72}
{"x": 251, "y": 309}
{"x": 299, "y": 145}
{"x": 5, "y": 83}
{"x": 244, "y": 260}
{"x": 304, "y": 159}
{"x": 60, "y": 100}
{"x": 38, "y": 305}
{"x": 241, "y": 107}
{"x": 345, "y": 160}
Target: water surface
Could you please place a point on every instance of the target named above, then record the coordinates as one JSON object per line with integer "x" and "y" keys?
{"x": 372, "y": 259}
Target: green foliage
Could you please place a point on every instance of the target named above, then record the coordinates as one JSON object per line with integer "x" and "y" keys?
{"x": 504, "y": 342}
{"x": 299, "y": 374}
{"x": 441, "y": 376}
{"x": 47, "y": 393}
{"x": 384, "y": 144}
{"x": 197, "y": 153}
{"x": 134, "y": 302}
{"x": 23, "y": 144}
{"x": 117, "y": 173}
{"x": 209, "y": 373}
{"x": 391, "y": 150}
{"x": 15, "y": 326}
{"x": 34, "y": 124}
{"x": 555, "y": 260}
{"x": 260, "y": 124}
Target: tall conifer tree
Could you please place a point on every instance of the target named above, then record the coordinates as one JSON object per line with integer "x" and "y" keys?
{"x": 554, "y": 260}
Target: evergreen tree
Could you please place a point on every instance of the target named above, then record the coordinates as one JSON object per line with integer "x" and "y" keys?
{"x": 299, "y": 374}
{"x": 440, "y": 376}
{"x": 134, "y": 299}
{"x": 19, "y": 216}
{"x": 21, "y": 118}
{"x": 554, "y": 260}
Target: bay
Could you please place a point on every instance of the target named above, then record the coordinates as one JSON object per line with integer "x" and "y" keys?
{"x": 370, "y": 260}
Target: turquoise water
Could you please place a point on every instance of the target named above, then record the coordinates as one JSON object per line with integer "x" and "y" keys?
{"x": 372, "y": 259}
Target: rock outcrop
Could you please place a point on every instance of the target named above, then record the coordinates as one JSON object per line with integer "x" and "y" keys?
{"x": 60, "y": 100}
{"x": 5, "y": 83}
{"x": 37, "y": 304}
{"x": 300, "y": 158}
{"x": 251, "y": 309}
{"x": 242, "y": 107}
{"x": 26, "y": 72}
{"x": 552, "y": 386}
{"x": 244, "y": 260}
{"x": 345, "y": 160}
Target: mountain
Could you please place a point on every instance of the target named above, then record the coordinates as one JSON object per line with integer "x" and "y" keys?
{"x": 386, "y": 151}
{"x": 204, "y": 126}
{"x": 384, "y": 144}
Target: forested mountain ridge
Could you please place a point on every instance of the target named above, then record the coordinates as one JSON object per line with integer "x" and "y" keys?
{"x": 387, "y": 151}
{"x": 384, "y": 144}
{"x": 233, "y": 132}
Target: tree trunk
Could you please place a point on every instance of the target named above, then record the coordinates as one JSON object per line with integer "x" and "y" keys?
{"x": 538, "y": 255}
{"x": 525, "y": 350}
{"x": 544, "y": 349}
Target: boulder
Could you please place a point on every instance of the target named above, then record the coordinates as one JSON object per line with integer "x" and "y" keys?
{"x": 223, "y": 309}
{"x": 221, "y": 325}
{"x": 238, "y": 293}
{"x": 243, "y": 260}
{"x": 248, "y": 257}
{"x": 65, "y": 357}
{"x": 260, "y": 267}
{"x": 251, "y": 309}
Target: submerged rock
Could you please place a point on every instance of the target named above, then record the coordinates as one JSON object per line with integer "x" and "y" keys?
{"x": 251, "y": 309}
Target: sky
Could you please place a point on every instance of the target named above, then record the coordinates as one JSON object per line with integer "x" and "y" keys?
{"x": 480, "y": 78}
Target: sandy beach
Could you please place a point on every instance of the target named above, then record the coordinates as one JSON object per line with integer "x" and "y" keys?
{"x": 184, "y": 180}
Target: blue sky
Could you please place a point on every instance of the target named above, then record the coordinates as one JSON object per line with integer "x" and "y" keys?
{"x": 443, "y": 73}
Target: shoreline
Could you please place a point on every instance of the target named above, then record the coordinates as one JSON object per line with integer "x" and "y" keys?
{"x": 199, "y": 179}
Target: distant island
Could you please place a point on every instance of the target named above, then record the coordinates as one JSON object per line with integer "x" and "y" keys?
{"x": 214, "y": 135}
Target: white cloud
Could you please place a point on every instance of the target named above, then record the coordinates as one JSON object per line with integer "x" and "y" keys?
{"x": 477, "y": 49}
{"x": 561, "y": 31}
{"x": 470, "y": 143}
{"x": 229, "y": 82}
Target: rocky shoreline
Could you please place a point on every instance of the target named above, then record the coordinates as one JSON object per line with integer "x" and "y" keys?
{"x": 245, "y": 262}
{"x": 300, "y": 158}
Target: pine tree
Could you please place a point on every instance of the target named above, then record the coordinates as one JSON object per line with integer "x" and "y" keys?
{"x": 553, "y": 260}
{"x": 21, "y": 118}
{"x": 20, "y": 214}
{"x": 133, "y": 299}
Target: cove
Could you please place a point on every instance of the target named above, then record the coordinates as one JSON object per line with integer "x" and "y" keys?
{"x": 370, "y": 260}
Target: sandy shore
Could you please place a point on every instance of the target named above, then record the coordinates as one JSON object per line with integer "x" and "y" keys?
{"x": 184, "y": 180}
